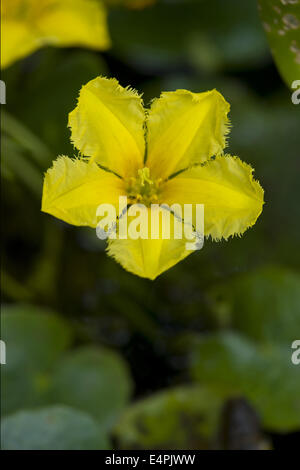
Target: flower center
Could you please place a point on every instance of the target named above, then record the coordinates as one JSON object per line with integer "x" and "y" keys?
{"x": 142, "y": 189}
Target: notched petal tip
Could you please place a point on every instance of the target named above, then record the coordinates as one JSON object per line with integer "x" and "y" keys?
{"x": 191, "y": 126}
{"x": 74, "y": 188}
{"x": 256, "y": 195}
{"x": 149, "y": 256}
{"x": 232, "y": 198}
{"x": 107, "y": 125}
{"x": 51, "y": 176}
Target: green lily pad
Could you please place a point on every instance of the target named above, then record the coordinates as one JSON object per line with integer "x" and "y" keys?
{"x": 53, "y": 428}
{"x": 266, "y": 376}
{"x": 35, "y": 338}
{"x": 95, "y": 380}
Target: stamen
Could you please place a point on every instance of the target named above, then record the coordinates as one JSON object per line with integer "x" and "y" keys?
{"x": 142, "y": 189}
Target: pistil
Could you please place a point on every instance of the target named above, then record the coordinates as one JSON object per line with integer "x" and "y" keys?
{"x": 142, "y": 189}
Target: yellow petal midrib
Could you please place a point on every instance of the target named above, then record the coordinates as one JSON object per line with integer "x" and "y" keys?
{"x": 62, "y": 195}
{"x": 161, "y": 139}
{"x": 117, "y": 119}
{"x": 185, "y": 181}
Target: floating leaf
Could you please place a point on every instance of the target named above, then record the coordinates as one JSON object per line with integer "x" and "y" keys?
{"x": 95, "y": 380}
{"x": 35, "y": 338}
{"x": 265, "y": 376}
{"x": 53, "y": 428}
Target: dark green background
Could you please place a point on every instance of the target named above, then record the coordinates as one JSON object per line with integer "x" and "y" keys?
{"x": 215, "y": 329}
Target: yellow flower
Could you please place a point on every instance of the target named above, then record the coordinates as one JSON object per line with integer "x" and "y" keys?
{"x": 171, "y": 153}
{"x": 27, "y": 25}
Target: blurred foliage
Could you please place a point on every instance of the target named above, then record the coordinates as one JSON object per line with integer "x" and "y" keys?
{"x": 216, "y": 328}
{"x": 35, "y": 344}
{"x": 183, "y": 417}
{"x": 264, "y": 375}
{"x": 263, "y": 306}
{"x": 269, "y": 299}
{"x": 135, "y": 4}
{"x": 53, "y": 428}
{"x": 23, "y": 154}
{"x": 40, "y": 372}
{"x": 213, "y": 35}
{"x": 281, "y": 21}
{"x": 240, "y": 427}
{"x": 93, "y": 380}
{"x": 55, "y": 82}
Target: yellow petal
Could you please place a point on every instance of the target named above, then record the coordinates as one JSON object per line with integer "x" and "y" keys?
{"x": 17, "y": 41}
{"x": 30, "y": 24}
{"x": 75, "y": 23}
{"x": 108, "y": 125}
{"x": 232, "y": 199}
{"x": 149, "y": 257}
{"x": 185, "y": 128}
{"x": 73, "y": 189}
